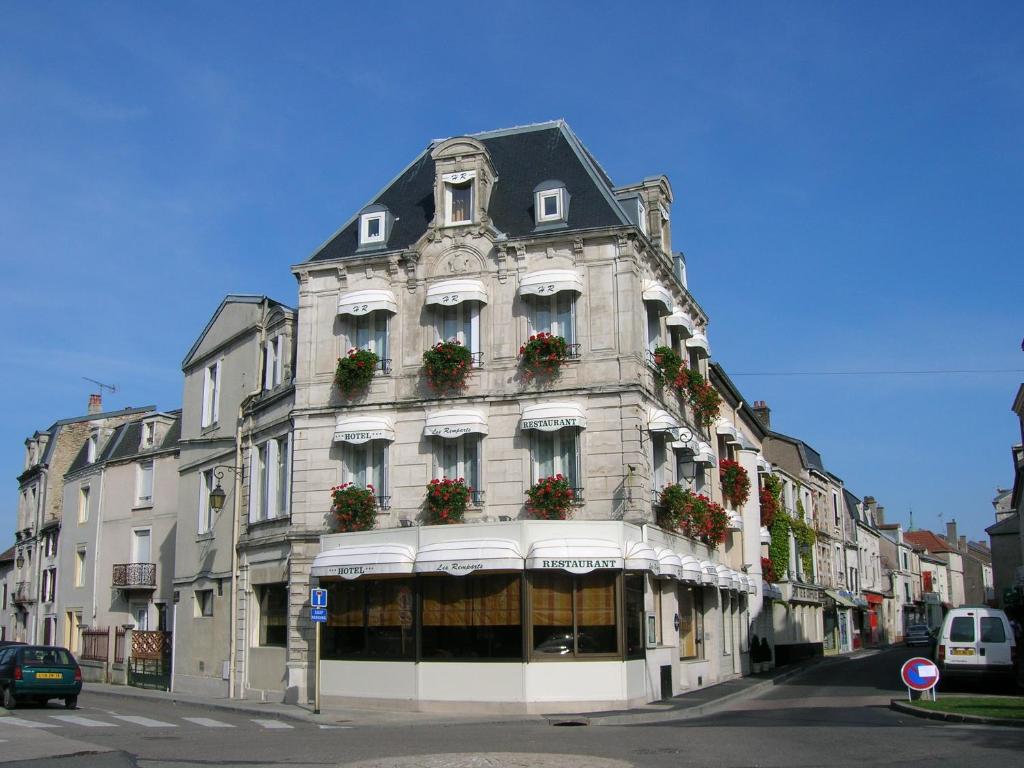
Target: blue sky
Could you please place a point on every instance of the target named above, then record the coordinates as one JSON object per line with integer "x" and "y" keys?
{"x": 848, "y": 183}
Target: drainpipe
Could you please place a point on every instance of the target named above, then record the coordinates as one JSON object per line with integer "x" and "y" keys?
{"x": 96, "y": 555}
{"x": 237, "y": 511}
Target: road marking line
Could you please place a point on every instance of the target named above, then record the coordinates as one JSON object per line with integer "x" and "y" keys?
{"x": 25, "y": 723}
{"x": 145, "y": 722}
{"x": 271, "y": 724}
{"x": 334, "y": 727}
{"x": 79, "y": 720}
{"x": 208, "y": 722}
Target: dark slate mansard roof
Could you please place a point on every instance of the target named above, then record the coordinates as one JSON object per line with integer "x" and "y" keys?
{"x": 522, "y": 158}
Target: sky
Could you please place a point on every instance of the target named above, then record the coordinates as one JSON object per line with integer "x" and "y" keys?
{"x": 848, "y": 183}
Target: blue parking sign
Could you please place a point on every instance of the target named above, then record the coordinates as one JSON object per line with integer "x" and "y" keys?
{"x": 318, "y": 598}
{"x": 318, "y": 615}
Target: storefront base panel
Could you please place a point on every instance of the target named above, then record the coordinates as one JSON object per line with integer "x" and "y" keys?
{"x": 694, "y": 674}
{"x": 792, "y": 653}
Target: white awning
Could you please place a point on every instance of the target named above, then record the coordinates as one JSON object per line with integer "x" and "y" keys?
{"x": 692, "y": 570}
{"x": 751, "y": 585}
{"x": 548, "y": 417}
{"x": 671, "y": 564}
{"x": 708, "y": 573}
{"x": 364, "y": 560}
{"x": 766, "y": 536}
{"x": 452, "y": 292}
{"x": 550, "y": 281}
{"x": 362, "y": 302}
{"x": 727, "y": 430}
{"x": 662, "y": 421}
{"x": 681, "y": 321}
{"x": 763, "y": 465}
{"x": 699, "y": 342}
{"x": 657, "y": 292}
{"x": 455, "y": 422}
{"x": 735, "y": 521}
{"x": 641, "y": 556}
{"x": 727, "y": 578}
{"x": 459, "y": 558}
{"x": 704, "y": 454}
{"x": 360, "y": 429}
{"x": 574, "y": 555}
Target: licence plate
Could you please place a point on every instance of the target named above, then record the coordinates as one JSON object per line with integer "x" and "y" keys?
{"x": 963, "y": 651}
{"x": 49, "y": 676}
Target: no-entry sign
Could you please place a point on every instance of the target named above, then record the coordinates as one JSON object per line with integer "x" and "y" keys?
{"x": 920, "y": 674}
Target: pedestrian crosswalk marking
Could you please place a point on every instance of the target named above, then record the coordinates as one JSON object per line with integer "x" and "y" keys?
{"x": 271, "y": 724}
{"x": 25, "y": 723}
{"x": 208, "y": 722}
{"x": 87, "y": 722}
{"x": 145, "y": 722}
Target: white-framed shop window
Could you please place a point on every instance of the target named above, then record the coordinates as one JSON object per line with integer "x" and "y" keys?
{"x": 144, "y": 483}
{"x": 557, "y": 453}
{"x": 554, "y": 314}
{"x": 460, "y": 322}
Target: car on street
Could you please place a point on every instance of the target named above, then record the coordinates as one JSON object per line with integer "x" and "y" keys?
{"x": 918, "y": 634}
{"x": 977, "y": 642}
{"x": 39, "y": 673}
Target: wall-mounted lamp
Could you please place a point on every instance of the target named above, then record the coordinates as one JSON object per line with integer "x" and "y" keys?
{"x": 20, "y": 561}
{"x": 218, "y": 495}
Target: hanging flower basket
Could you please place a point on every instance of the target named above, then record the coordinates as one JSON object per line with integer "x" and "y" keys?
{"x": 543, "y": 355}
{"x": 702, "y": 397}
{"x": 768, "y": 572}
{"x": 694, "y": 515}
{"x": 446, "y": 365}
{"x": 447, "y": 500}
{"x": 735, "y": 482}
{"x": 354, "y": 508}
{"x": 771, "y": 500}
{"x": 355, "y": 371}
{"x": 550, "y": 498}
{"x": 667, "y": 364}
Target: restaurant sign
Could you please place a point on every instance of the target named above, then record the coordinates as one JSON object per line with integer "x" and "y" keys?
{"x": 574, "y": 564}
{"x": 550, "y": 425}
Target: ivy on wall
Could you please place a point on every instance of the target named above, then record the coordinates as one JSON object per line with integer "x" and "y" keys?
{"x": 782, "y": 526}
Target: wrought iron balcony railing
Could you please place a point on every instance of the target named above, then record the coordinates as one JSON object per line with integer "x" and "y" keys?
{"x": 478, "y": 359}
{"x": 383, "y": 503}
{"x": 477, "y": 499}
{"x": 134, "y": 575}
{"x": 573, "y": 351}
{"x": 23, "y": 593}
{"x": 384, "y": 365}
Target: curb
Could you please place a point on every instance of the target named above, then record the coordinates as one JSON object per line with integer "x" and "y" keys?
{"x": 170, "y": 698}
{"x": 951, "y": 717}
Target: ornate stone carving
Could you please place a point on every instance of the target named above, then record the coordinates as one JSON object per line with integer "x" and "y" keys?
{"x": 342, "y": 276}
{"x": 577, "y": 250}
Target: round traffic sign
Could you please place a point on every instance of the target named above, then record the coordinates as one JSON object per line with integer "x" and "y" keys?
{"x": 920, "y": 674}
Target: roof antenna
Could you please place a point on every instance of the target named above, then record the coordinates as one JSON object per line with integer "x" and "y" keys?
{"x": 911, "y": 526}
{"x": 112, "y": 388}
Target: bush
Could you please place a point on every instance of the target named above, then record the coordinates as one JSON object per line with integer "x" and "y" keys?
{"x": 543, "y": 354}
{"x": 354, "y": 508}
{"x": 447, "y": 500}
{"x": 447, "y": 364}
{"x": 550, "y": 498}
{"x": 355, "y": 371}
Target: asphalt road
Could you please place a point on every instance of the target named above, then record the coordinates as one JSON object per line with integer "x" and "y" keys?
{"x": 834, "y": 715}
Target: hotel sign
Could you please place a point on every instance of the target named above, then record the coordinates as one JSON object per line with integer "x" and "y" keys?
{"x": 362, "y": 436}
{"x": 550, "y": 425}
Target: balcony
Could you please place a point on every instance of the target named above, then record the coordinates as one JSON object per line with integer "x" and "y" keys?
{"x": 23, "y": 593}
{"x": 477, "y": 498}
{"x": 383, "y": 503}
{"x": 134, "y": 576}
{"x": 384, "y": 365}
{"x": 572, "y": 351}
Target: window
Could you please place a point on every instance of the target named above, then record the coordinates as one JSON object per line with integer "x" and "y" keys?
{"x": 206, "y": 484}
{"x": 641, "y": 212}
{"x": 906, "y": 592}
{"x": 272, "y": 362}
{"x": 472, "y": 617}
{"x": 460, "y": 322}
{"x": 90, "y": 449}
{"x": 141, "y": 615}
{"x": 211, "y": 394}
{"x": 365, "y": 464}
{"x": 551, "y": 204}
{"x": 272, "y": 600}
{"x": 835, "y": 507}
{"x": 49, "y": 586}
{"x": 555, "y": 314}
{"x": 142, "y": 545}
{"x": 906, "y": 567}
{"x": 268, "y": 480}
{"x": 144, "y": 483}
{"x": 459, "y": 457}
{"x": 691, "y": 622}
{"x": 653, "y": 326}
{"x": 727, "y": 633}
{"x": 148, "y": 434}
{"x": 50, "y": 544}
{"x": 962, "y": 630}
{"x": 992, "y": 630}
{"x": 575, "y": 616}
{"x": 370, "y": 331}
{"x": 557, "y": 453}
{"x": 80, "y": 566}
{"x": 459, "y": 198}
{"x": 203, "y": 603}
{"x": 369, "y": 619}
{"x": 371, "y": 228}
{"x": 662, "y": 475}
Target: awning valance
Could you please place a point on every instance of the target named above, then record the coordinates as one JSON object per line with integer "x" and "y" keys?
{"x": 455, "y": 422}
{"x": 452, "y": 292}
{"x": 548, "y": 417}
{"x": 360, "y": 429}
{"x": 735, "y": 521}
{"x": 549, "y": 281}
{"x": 364, "y": 560}
{"x": 459, "y": 558}
{"x": 641, "y": 556}
{"x": 727, "y": 430}
{"x": 659, "y": 420}
{"x": 763, "y": 465}
{"x": 840, "y": 600}
{"x": 657, "y": 292}
{"x": 574, "y": 555}
{"x": 671, "y": 564}
{"x": 692, "y": 570}
{"x": 680, "y": 321}
{"x": 708, "y": 573}
{"x": 363, "y": 302}
{"x": 699, "y": 342}
{"x": 704, "y": 454}
{"x": 725, "y": 577}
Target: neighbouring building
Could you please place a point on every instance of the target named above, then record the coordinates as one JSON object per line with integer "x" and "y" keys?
{"x": 604, "y": 609}
{"x": 6, "y": 590}
{"x": 934, "y": 586}
{"x": 1007, "y": 535}
{"x": 945, "y": 550}
{"x": 901, "y": 563}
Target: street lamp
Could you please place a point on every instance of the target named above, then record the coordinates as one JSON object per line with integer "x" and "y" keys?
{"x": 20, "y": 561}
{"x": 218, "y": 495}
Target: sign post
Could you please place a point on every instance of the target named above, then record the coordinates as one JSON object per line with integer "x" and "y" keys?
{"x": 919, "y": 674}
{"x": 318, "y": 615}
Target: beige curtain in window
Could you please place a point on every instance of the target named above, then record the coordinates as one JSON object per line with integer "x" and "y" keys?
{"x": 497, "y": 601}
{"x": 687, "y": 636}
{"x": 345, "y": 604}
{"x": 595, "y": 600}
{"x": 551, "y": 599}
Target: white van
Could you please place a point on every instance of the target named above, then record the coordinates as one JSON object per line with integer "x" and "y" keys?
{"x": 977, "y": 642}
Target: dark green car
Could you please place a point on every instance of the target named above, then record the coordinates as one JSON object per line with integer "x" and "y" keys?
{"x": 39, "y": 673}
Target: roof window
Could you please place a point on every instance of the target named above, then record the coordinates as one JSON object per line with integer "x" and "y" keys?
{"x": 458, "y": 197}
{"x": 550, "y": 204}
{"x": 375, "y": 223}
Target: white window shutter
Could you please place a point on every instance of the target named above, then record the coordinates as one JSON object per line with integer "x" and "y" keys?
{"x": 278, "y": 355}
{"x": 206, "y": 397}
{"x": 216, "y": 393}
{"x": 253, "y": 485}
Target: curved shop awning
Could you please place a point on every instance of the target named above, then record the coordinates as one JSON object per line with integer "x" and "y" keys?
{"x": 548, "y": 417}
{"x": 671, "y": 564}
{"x": 659, "y": 420}
{"x": 549, "y": 281}
{"x": 691, "y": 569}
{"x": 727, "y": 430}
{"x": 459, "y": 558}
{"x": 574, "y": 555}
{"x": 452, "y": 292}
{"x": 455, "y": 422}
{"x": 681, "y": 322}
{"x": 360, "y": 429}
{"x": 700, "y": 343}
{"x": 363, "y": 302}
{"x": 708, "y": 573}
{"x": 657, "y": 292}
{"x": 704, "y": 454}
{"x": 735, "y": 521}
{"x": 641, "y": 556}
{"x": 727, "y": 578}
{"x": 364, "y": 560}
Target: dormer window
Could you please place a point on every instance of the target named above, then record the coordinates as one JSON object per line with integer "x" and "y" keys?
{"x": 641, "y": 212}
{"x": 458, "y": 197}
{"x": 374, "y": 226}
{"x": 148, "y": 433}
{"x": 90, "y": 450}
{"x": 551, "y": 204}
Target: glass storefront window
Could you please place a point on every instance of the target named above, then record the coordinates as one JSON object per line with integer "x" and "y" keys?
{"x": 472, "y": 617}
{"x": 369, "y": 619}
{"x": 634, "y": 586}
{"x": 573, "y": 615}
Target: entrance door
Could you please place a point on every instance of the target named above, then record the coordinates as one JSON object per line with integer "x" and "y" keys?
{"x": 140, "y": 613}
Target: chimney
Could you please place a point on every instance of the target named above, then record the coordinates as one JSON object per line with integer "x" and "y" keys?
{"x": 95, "y": 404}
{"x": 963, "y": 544}
{"x": 880, "y": 516}
{"x": 951, "y": 532}
{"x": 763, "y": 413}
